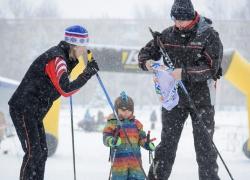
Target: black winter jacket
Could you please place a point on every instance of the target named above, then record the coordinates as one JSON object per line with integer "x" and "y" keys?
{"x": 197, "y": 51}
{"x": 36, "y": 90}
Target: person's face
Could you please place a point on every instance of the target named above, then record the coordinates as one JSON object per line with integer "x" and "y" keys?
{"x": 125, "y": 113}
{"x": 77, "y": 51}
{"x": 180, "y": 24}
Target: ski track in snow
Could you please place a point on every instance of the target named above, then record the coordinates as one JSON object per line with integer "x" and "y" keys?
{"x": 92, "y": 156}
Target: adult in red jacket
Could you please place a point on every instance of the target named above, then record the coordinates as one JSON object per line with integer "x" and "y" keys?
{"x": 196, "y": 52}
{"x": 45, "y": 81}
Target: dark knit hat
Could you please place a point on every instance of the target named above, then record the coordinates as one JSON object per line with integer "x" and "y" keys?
{"x": 124, "y": 102}
{"x": 182, "y": 10}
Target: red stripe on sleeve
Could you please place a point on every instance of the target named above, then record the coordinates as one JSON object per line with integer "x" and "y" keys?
{"x": 61, "y": 69}
{"x": 55, "y": 74}
{"x": 210, "y": 60}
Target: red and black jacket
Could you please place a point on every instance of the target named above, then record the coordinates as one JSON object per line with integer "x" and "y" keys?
{"x": 47, "y": 79}
{"x": 198, "y": 51}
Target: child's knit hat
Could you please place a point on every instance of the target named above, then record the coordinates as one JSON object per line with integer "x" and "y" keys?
{"x": 124, "y": 102}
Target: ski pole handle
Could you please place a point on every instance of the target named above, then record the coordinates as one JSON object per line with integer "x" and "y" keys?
{"x": 90, "y": 56}
{"x": 148, "y": 136}
{"x": 81, "y": 59}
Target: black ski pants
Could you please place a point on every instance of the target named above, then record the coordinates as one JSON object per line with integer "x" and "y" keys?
{"x": 172, "y": 125}
{"x": 31, "y": 133}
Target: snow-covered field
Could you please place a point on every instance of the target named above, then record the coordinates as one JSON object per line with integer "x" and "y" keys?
{"x": 92, "y": 156}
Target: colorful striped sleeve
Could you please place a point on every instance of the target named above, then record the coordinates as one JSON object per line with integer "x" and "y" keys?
{"x": 142, "y": 133}
{"x": 108, "y": 131}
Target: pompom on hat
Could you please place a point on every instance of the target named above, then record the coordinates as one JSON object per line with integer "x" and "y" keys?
{"x": 76, "y": 35}
{"x": 124, "y": 102}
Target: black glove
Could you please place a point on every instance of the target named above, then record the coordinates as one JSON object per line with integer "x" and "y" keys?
{"x": 218, "y": 74}
{"x": 91, "y": 69}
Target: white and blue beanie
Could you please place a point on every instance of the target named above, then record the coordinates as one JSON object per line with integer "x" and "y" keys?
{"x": 76, "y": 35}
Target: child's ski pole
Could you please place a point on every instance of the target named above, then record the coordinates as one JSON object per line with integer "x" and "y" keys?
{"x": 113, "y": 150}
{"x": 150, "y": 153}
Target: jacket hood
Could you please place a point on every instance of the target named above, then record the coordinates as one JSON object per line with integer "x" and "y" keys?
{"x": 203, "y": 24}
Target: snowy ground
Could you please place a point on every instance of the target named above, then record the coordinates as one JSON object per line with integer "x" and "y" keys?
{"x": 92, "y": 157}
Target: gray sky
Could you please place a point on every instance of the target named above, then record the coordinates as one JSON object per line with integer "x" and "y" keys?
{"x": 107, "y": 8}
{"x": 121, "y": 9}
{"x": 125, "y": 8}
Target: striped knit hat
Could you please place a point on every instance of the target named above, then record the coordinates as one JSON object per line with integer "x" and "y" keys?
{"x": 76, "y": 35}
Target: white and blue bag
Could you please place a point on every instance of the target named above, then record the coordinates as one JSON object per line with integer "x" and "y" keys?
{"x": 166, "y": 86}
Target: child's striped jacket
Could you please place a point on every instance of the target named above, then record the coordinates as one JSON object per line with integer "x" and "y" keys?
{"x": 124, "y": 161}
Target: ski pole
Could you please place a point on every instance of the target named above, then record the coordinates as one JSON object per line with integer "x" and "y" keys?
{"x": 149, "y": 152}
{"x": 152, "y": 157}
{"x": 168, "y": 61}
{"x": 74, "y": 75}
{"x": 112, "y": 154}
{"x": 112, "y": 162}
{"x": 72, "y": 135}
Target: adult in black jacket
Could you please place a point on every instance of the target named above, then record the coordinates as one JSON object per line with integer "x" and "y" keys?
{"x": 45, "y": 81}
{"x": 196, "y": 52}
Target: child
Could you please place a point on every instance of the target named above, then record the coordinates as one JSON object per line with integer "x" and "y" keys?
{"x": 125, "y": 166}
